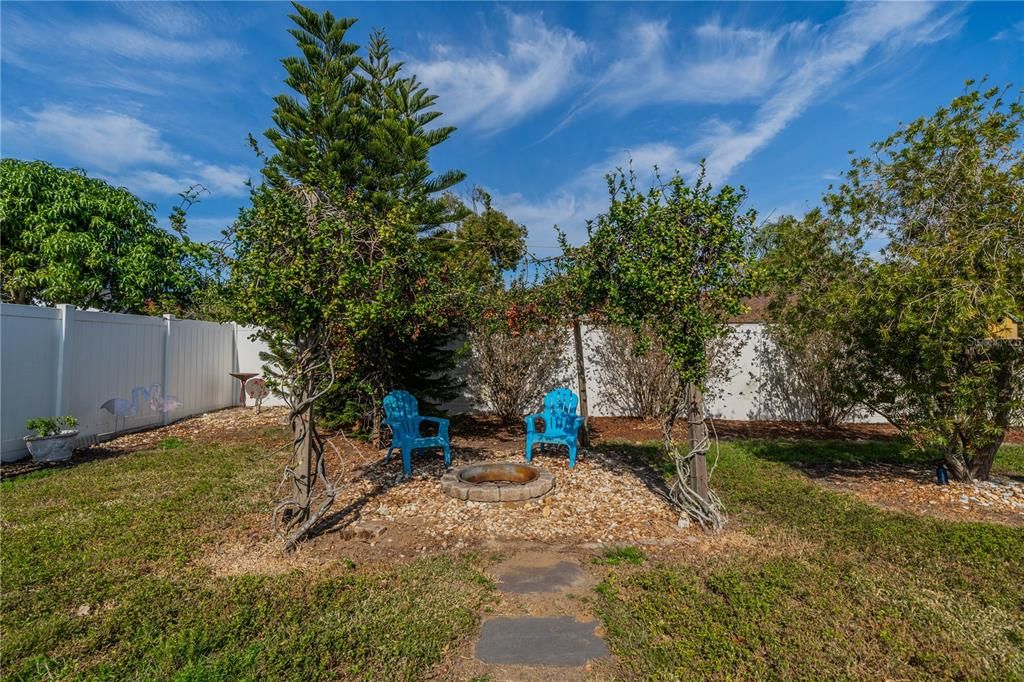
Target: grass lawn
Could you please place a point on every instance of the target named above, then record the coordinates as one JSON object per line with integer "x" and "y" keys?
{"x": 121, "y": 537}
{"x": 834, "y": 587}
{"x": 102, "y": 578}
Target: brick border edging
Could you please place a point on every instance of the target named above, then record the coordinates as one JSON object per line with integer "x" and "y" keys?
{"x": 454, "y": 486}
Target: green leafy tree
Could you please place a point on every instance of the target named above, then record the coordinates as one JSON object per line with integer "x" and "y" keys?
{"x": 487, "y": 241}
{"x": 805, "y": 365}
{"x": 330, "y": 261}
{"x": 358, "y": 123}
{"x": 672, "y": 261}
{"x": 69, "y": 238}
{"x": 362, "y": 125}
{"x": 945, "y": 193}
{"x": 325, "y": 277}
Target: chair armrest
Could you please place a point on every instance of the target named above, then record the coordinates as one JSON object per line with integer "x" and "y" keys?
{"x": 442, "y": 425}
{"x": 531, "y": 420}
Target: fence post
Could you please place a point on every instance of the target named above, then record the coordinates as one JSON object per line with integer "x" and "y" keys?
{"x": 165, "y": 374}
{"x": 67, "y": 321}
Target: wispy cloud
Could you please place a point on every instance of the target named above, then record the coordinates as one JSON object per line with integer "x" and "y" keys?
{"x": 107, "y": 140}
{"x": 582, "y": 198}
{"x": 123, "y": 149}
{"x": 841, "y": 47}
{"x": 1015, "y": 32}
{"x": 827, "y": 54}
{"x": 154, "y": 40}
{"x": 713, "y": 63}
{"x": 154, "y": 47}
{"x": 492, "y": 91}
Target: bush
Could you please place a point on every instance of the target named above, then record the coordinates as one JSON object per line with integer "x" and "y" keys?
{"x": 800, "y": 377}
{"x": 50, "y": 426}
{"x": 644, "y": 384}
{"x": 510, "y": 373}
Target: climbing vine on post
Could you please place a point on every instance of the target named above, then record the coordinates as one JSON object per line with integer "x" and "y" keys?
{"x": 673, "y": 260}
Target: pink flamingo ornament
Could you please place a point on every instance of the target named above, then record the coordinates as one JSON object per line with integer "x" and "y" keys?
{"x": 158, "y": 402}
{"x": 122, "y": 408}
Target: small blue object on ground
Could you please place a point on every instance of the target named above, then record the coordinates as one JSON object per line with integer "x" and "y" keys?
{"x": 561, "y": 423}
{"x": 403, "y": 417}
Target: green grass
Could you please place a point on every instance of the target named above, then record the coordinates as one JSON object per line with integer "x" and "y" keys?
{"x": 831, "y": 588}
{"x": 101, "y": 579}
{"x": 616, "y": 556}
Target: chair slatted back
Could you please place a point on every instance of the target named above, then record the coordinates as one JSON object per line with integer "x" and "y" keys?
{"x": 560, "y": 410}
{"x": 403, "y": 413}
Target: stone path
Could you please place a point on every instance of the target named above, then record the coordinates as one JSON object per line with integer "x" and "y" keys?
{"x": 542, "y": 629}
{"x": 532, "y": 640}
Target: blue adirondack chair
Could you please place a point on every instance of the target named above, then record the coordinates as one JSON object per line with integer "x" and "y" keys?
{"x": 561, "y": 423}
{"x": 403, "y": 416}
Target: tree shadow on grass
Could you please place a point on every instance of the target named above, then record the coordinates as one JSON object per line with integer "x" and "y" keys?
{"x": 27, "y": 468}
{"x": 821, "y": 459}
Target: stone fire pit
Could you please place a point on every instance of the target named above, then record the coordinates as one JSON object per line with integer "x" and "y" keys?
{"x": 498, "y": 482}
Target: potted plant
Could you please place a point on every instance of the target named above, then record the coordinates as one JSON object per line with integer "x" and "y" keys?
{"x": 52, "y": 442}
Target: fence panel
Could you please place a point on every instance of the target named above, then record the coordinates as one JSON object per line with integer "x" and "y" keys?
{"x": 29, "y": 344}
{"x": 200, "y": 357}
{"x": 57, "y": 361}
{"x": 112, "y": 357}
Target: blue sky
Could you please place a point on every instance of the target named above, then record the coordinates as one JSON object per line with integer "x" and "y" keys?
{"x": 547, "y": 96}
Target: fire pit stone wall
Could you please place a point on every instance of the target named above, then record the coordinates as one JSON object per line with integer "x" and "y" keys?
{"x": 497, "y": 482}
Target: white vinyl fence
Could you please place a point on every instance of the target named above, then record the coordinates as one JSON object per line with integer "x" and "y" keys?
{"x": 747, "y": 391}
{"x": 64, "y": 361}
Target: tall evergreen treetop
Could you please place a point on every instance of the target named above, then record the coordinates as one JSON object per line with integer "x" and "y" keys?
{"x": 357, "y": 124}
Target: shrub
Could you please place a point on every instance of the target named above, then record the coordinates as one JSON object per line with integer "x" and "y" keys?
{"x": 50, "y": 426}
{"x": 509, "y": 373}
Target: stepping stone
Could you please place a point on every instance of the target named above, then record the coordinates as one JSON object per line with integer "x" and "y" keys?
{"x": 523, "y": 578}
{"x": 560, "y": 641}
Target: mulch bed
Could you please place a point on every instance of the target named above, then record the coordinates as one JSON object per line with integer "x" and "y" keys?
{"x": 913, "y": 489}
{"x": 605, "y": 499}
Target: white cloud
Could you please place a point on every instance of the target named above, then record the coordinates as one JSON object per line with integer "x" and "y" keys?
{"x": 1015, "y": 32}
{"x": 122, "y": 149}
{"x": 846, "y": 44}
{"x": 168, "y": 18}
{"x": 106, "y": 140}
{"x": 829, "y": 53}
{"x": 152, "y": 38}
{"x": 712, "y": 64}
{"x": 228, "y": 180}
{"x": 120, "y": 40}
{"x": 493, "y": 91}
{"x": 572, "y": 204}
{"x": 155, "y": 49}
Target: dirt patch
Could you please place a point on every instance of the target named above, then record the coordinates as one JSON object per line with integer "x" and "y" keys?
{"x": 913, "y": 489}
{"x": 603, "y": 499}
{"x": 634, "y": 429}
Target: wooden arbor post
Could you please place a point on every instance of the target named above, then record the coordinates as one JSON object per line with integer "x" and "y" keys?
{"x": 697, "y": 434}
{"x": 581, "y": 381}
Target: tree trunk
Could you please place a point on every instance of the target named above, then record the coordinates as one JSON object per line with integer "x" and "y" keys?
{"x": 958, "y": 469}
{"x": 581, "y": 382}
{"x": 303, "y": 432}
{"x": 977, "y": 465}
{"x": 981, "y": 464}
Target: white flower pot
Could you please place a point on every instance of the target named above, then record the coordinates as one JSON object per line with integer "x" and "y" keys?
{"x": 51, "y": 448}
